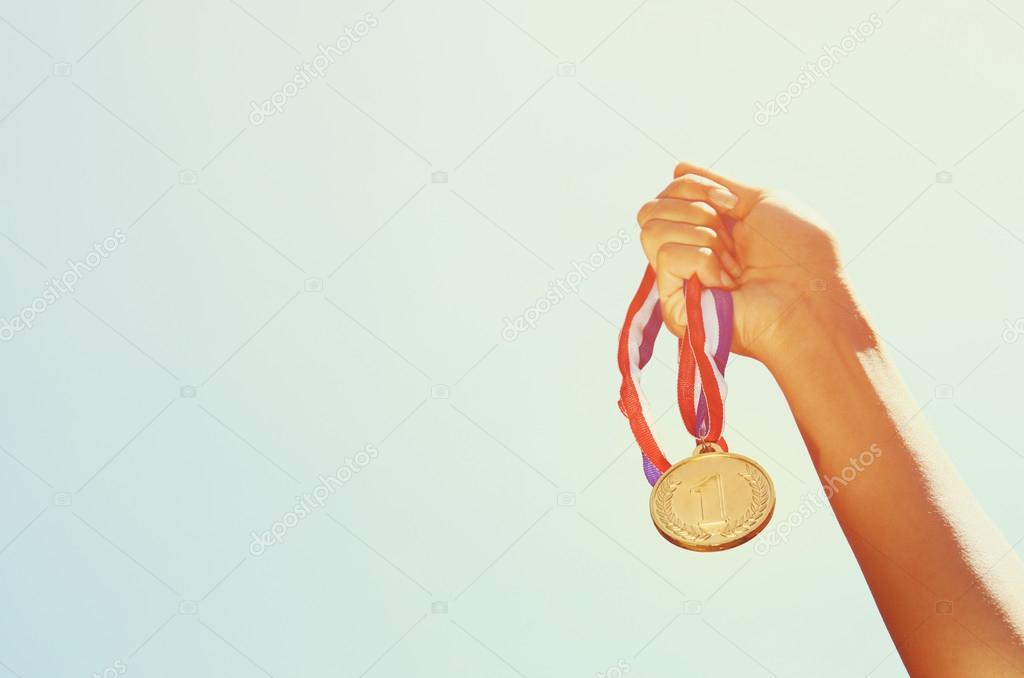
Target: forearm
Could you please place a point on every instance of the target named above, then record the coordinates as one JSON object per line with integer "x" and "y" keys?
{"x": 946, "y": 582}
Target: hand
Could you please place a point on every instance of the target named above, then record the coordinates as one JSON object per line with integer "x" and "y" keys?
{"x": 772, "y": 260}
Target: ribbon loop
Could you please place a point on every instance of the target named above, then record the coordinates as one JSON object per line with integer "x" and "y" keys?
{"x": 703, "y": 355}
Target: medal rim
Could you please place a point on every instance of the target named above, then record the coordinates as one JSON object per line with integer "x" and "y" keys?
{"x": 725, "y": 545}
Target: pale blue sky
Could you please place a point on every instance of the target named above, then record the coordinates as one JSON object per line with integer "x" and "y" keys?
{"x": 296, "y": 286}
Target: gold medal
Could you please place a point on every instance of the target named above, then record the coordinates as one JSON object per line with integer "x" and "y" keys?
{"x": 713, "y": 500}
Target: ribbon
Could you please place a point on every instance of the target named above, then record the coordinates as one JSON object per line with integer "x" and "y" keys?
{"x": 703, "y": 355}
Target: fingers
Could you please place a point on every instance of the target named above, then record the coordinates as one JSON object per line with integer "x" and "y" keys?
{"x": 696, "y": 187}
{"x": 679, "y": 210}
{"x": 698, "y": 178}
{"x": 683, "y": 234}
{"x": 688, "y": 212}
{"x": 659, "y": 232}
{"x": 677, "y": 262}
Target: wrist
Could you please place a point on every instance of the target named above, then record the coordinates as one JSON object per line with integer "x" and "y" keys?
{"x": 822, "y": 327}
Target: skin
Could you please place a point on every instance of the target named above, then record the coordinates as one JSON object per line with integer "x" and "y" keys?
{"x": 947, "y": 584}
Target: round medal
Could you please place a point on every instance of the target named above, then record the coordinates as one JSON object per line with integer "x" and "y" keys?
{"x": 713, "y": 500}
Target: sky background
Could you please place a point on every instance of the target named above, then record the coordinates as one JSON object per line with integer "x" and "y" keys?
{"x": 323, "y": 290}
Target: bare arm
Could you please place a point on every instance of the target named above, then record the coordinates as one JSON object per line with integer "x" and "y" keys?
{"x": 948, "y": 585}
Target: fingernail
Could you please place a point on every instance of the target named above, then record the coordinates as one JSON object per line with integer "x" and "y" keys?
{"x": 723, "y": 198}
{"x": 731, "y": 264}
{"x": 727, "y": 280}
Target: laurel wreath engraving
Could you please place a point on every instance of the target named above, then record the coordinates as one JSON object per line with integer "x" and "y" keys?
{"x": 663, "y": 506}
{"x": 733, "y": 528}
{"x": 758, "y": 505}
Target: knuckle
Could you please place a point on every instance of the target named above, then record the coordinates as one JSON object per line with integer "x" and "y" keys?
{"x": 696, "y": 179}
{"x": 707, "y": 237}
{"x": 647, "y": 238}
{"x": 687, "y": 168}
{"x": 665, "y": 252}
{"x": 645, "y": 209}
{"x": 708, "y": 260}
{"x": 705, "y": 213}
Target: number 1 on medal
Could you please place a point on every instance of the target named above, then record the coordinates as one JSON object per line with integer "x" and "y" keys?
{"x": 700, "y": 491}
